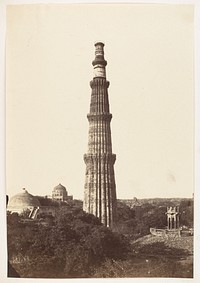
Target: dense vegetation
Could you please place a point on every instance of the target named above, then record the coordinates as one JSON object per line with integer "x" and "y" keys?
{"x": 136, "y": 221}
{"x": 72, "y": 247}
{"x": 76, "y": 244}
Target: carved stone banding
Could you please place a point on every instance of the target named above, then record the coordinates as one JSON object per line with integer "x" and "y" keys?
{"x": 99, "y": 189}
{"x": 99, "y": 117}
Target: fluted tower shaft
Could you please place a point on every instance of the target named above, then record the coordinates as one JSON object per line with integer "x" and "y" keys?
{"x": 100, "y": 189}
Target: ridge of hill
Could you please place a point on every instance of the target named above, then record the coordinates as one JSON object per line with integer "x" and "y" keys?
{"x": 155, "y": 201}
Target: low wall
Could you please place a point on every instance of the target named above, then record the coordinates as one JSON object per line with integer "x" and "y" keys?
{"x": 173, "y": 233}
{"x": 158, "y": 232}
{"x": 165, "y": 232}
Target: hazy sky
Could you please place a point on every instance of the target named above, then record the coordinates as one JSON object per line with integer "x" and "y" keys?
{"x": 149, "y": 49}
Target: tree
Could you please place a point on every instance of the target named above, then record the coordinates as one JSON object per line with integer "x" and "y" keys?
{"x": 71, "y": 247}
{"x": 186, "y": 213}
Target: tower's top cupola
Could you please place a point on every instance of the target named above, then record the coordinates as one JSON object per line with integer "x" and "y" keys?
{"x": 99, "y": 62}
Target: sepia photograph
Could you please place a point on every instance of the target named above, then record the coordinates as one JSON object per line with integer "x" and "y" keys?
{"x": 100, "y": 134}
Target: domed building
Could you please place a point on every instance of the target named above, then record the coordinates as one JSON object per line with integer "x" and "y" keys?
{"x": 24, "y": 202}
{"x": 60, "y": 193}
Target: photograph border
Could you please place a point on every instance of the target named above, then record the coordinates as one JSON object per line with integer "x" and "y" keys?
{"x": 3, "y": 242}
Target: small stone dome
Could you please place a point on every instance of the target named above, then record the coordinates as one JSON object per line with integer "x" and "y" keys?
{"x": 23, "y": 200}
{"x": 59, "y": 187}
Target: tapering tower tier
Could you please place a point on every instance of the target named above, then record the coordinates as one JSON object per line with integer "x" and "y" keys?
{"x": 100, "y": 189}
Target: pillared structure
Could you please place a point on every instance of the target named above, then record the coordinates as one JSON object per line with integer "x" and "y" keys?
{"x": 172, "y": 217}
{"x": 100, "y": 190}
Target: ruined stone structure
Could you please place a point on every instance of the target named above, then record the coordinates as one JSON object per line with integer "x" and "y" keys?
{"x": 172, "y": 218}
{"x": 172, "y": 228}
{"x": 100, "y": 191}
{"x": 24, "y": 202}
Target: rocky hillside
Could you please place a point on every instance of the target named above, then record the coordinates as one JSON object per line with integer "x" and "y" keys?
{"x": 163, "y": 245}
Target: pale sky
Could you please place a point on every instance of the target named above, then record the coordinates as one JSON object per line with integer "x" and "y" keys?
{"x": 49, "y": 53}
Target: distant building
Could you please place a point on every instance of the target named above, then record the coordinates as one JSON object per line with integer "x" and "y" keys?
{"x": 22, "y": 202}
{"x": 27, "y": 203}
{"x": 60, "y": 193}
{"x": 132, "y": 203}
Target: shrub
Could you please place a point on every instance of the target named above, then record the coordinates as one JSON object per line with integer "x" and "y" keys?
{"x": 70, "y": 248}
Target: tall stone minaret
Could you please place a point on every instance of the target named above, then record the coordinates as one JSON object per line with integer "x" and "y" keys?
{"x": 100, "y": 190}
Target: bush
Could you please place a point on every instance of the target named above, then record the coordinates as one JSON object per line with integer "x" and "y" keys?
{"x": 72, "y": 247}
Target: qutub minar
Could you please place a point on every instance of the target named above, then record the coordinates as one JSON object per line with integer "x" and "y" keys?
{"x": 100, "y": 189}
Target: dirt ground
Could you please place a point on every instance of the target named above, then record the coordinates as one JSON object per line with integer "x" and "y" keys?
{"x": 166, "y": 257}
